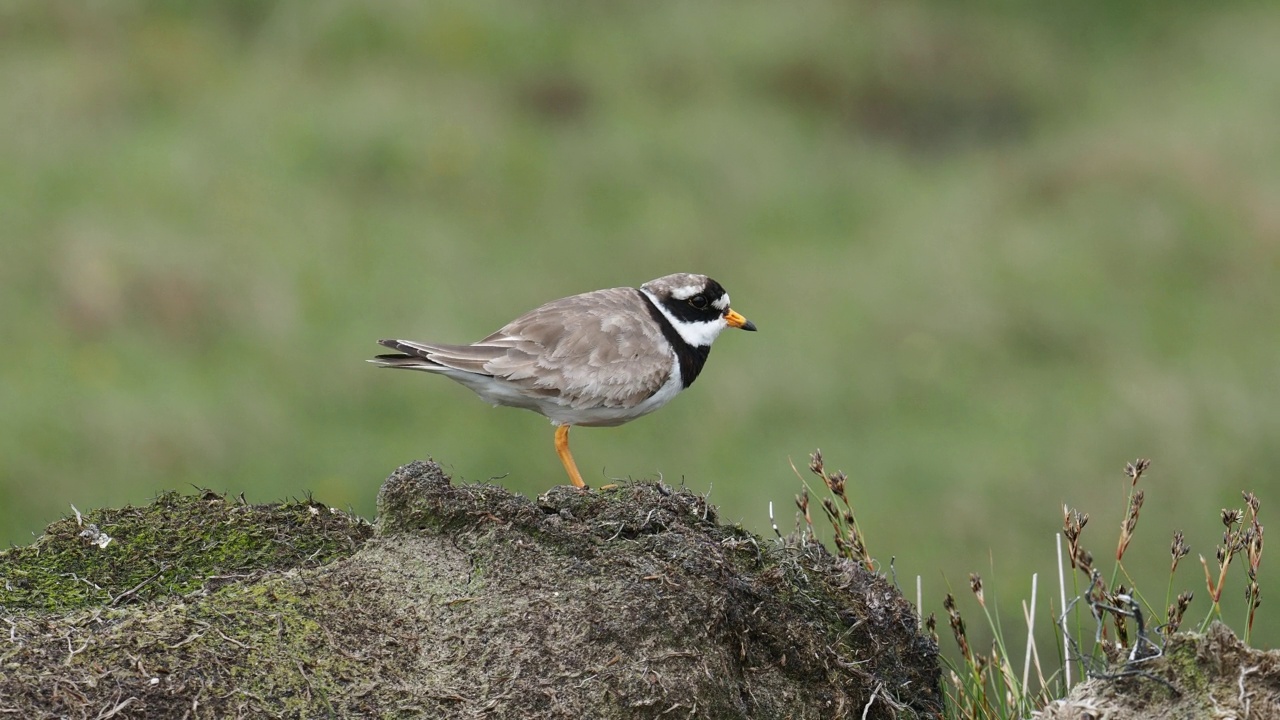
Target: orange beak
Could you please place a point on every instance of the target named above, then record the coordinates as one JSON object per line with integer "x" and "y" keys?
{"x": 737, "y": 321}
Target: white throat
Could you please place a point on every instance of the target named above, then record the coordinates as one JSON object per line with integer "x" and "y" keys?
{"x": 697, "y": 334}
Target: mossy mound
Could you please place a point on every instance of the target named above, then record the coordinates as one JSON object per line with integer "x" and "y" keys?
{"x": 176, "y": 545}
{"x": 1210, "y": 675}
{"x": 470, "y": 601}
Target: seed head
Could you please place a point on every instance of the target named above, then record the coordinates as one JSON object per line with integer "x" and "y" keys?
{"x": 1230, "y": 517}
{"x": 975, "y": 584}
{"x": 1178, "y": 550}
{"x": 836, "y": 481}
{"x": 815, "y": 462}
{"x": 1082, "y": 559}
{"x": 1135, "y": 469}
{"x": 1252, "y": 501}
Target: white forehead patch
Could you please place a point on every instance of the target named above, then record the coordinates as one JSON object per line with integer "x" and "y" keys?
{"x": 684, "y": 292}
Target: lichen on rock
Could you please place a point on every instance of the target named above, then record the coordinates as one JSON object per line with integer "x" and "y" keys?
{"x": 631, "y": 602}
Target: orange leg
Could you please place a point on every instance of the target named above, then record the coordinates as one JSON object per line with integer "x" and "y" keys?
{"x": 562, "y": 449}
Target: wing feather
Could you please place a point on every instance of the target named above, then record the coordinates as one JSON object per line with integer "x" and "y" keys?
{"x": 589, "y": 351}
{"x": 600, "y": 349}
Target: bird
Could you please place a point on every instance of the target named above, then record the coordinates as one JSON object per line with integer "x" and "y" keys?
{"x": 598, "y": 359}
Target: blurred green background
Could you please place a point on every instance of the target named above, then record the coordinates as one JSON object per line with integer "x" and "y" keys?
{"x": 994, "y": 251}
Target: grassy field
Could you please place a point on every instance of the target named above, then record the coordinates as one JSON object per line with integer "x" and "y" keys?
{"x": 993, "y": 252}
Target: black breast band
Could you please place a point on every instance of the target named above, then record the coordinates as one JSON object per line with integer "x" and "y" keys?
{"x": 691, "y": 358}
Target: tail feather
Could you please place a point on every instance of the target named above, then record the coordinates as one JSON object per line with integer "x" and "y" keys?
{"x": 409, "y": 357}
{"x": 424, "y": 356}
{"x": 406, "y": 347}
{"x": 408, "y": 362}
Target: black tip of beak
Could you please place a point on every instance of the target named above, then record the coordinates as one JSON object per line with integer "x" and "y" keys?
{"x": 749, "y": 326}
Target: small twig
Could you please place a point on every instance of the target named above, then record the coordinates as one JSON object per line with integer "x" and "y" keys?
{"x": 190, "y": 638}
{"x": 1129, "y": 673}
{"x": 137, "y": 587}
{"x": 919, "y": 604}
{"x": 1245, "y": 697}
{"x": 233, "y": 641}
{"x": 867, "y": 708}
{"x": 1031, "y": 636}
{"x": 72, "y": 653}
{"x": 1034, "y": 649}
{"x": 106, "y": 714}
{"x": 1062, "y": 594}
{"x": 77, "y": 578}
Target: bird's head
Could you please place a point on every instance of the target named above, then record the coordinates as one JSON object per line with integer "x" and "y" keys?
{"x": 696, "y": 305}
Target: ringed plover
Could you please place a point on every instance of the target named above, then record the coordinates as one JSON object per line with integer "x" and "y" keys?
{"x": 597, "y": 359}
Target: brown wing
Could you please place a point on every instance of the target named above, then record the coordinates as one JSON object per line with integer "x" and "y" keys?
{"x": 591, "y": 350}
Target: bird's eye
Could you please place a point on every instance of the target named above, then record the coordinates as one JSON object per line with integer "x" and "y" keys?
{"x": 699, "y": 302}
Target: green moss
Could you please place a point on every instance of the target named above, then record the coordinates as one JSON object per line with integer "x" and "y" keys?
{"x": 176, "y": 545}
{"x": 1183, "y": 664}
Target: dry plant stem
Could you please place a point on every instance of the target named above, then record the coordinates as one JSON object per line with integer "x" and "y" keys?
{"x": 1208, "y": 581}
{"x": 849, "y": 539}
{"x": 1253, "y": 550}
{"x": 1130, "y": 522}
{"x": 1029, "y": 618}
{"x": 1042, "y": 696}
{"x": 919, "y": 602}
{"x": 1062, "y": 598}
{"x": 1074, "y": 523}
{"x": 1231, "y": 544}
{"x": 802, "y": 503}
{"x": 1133, "y": 505}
